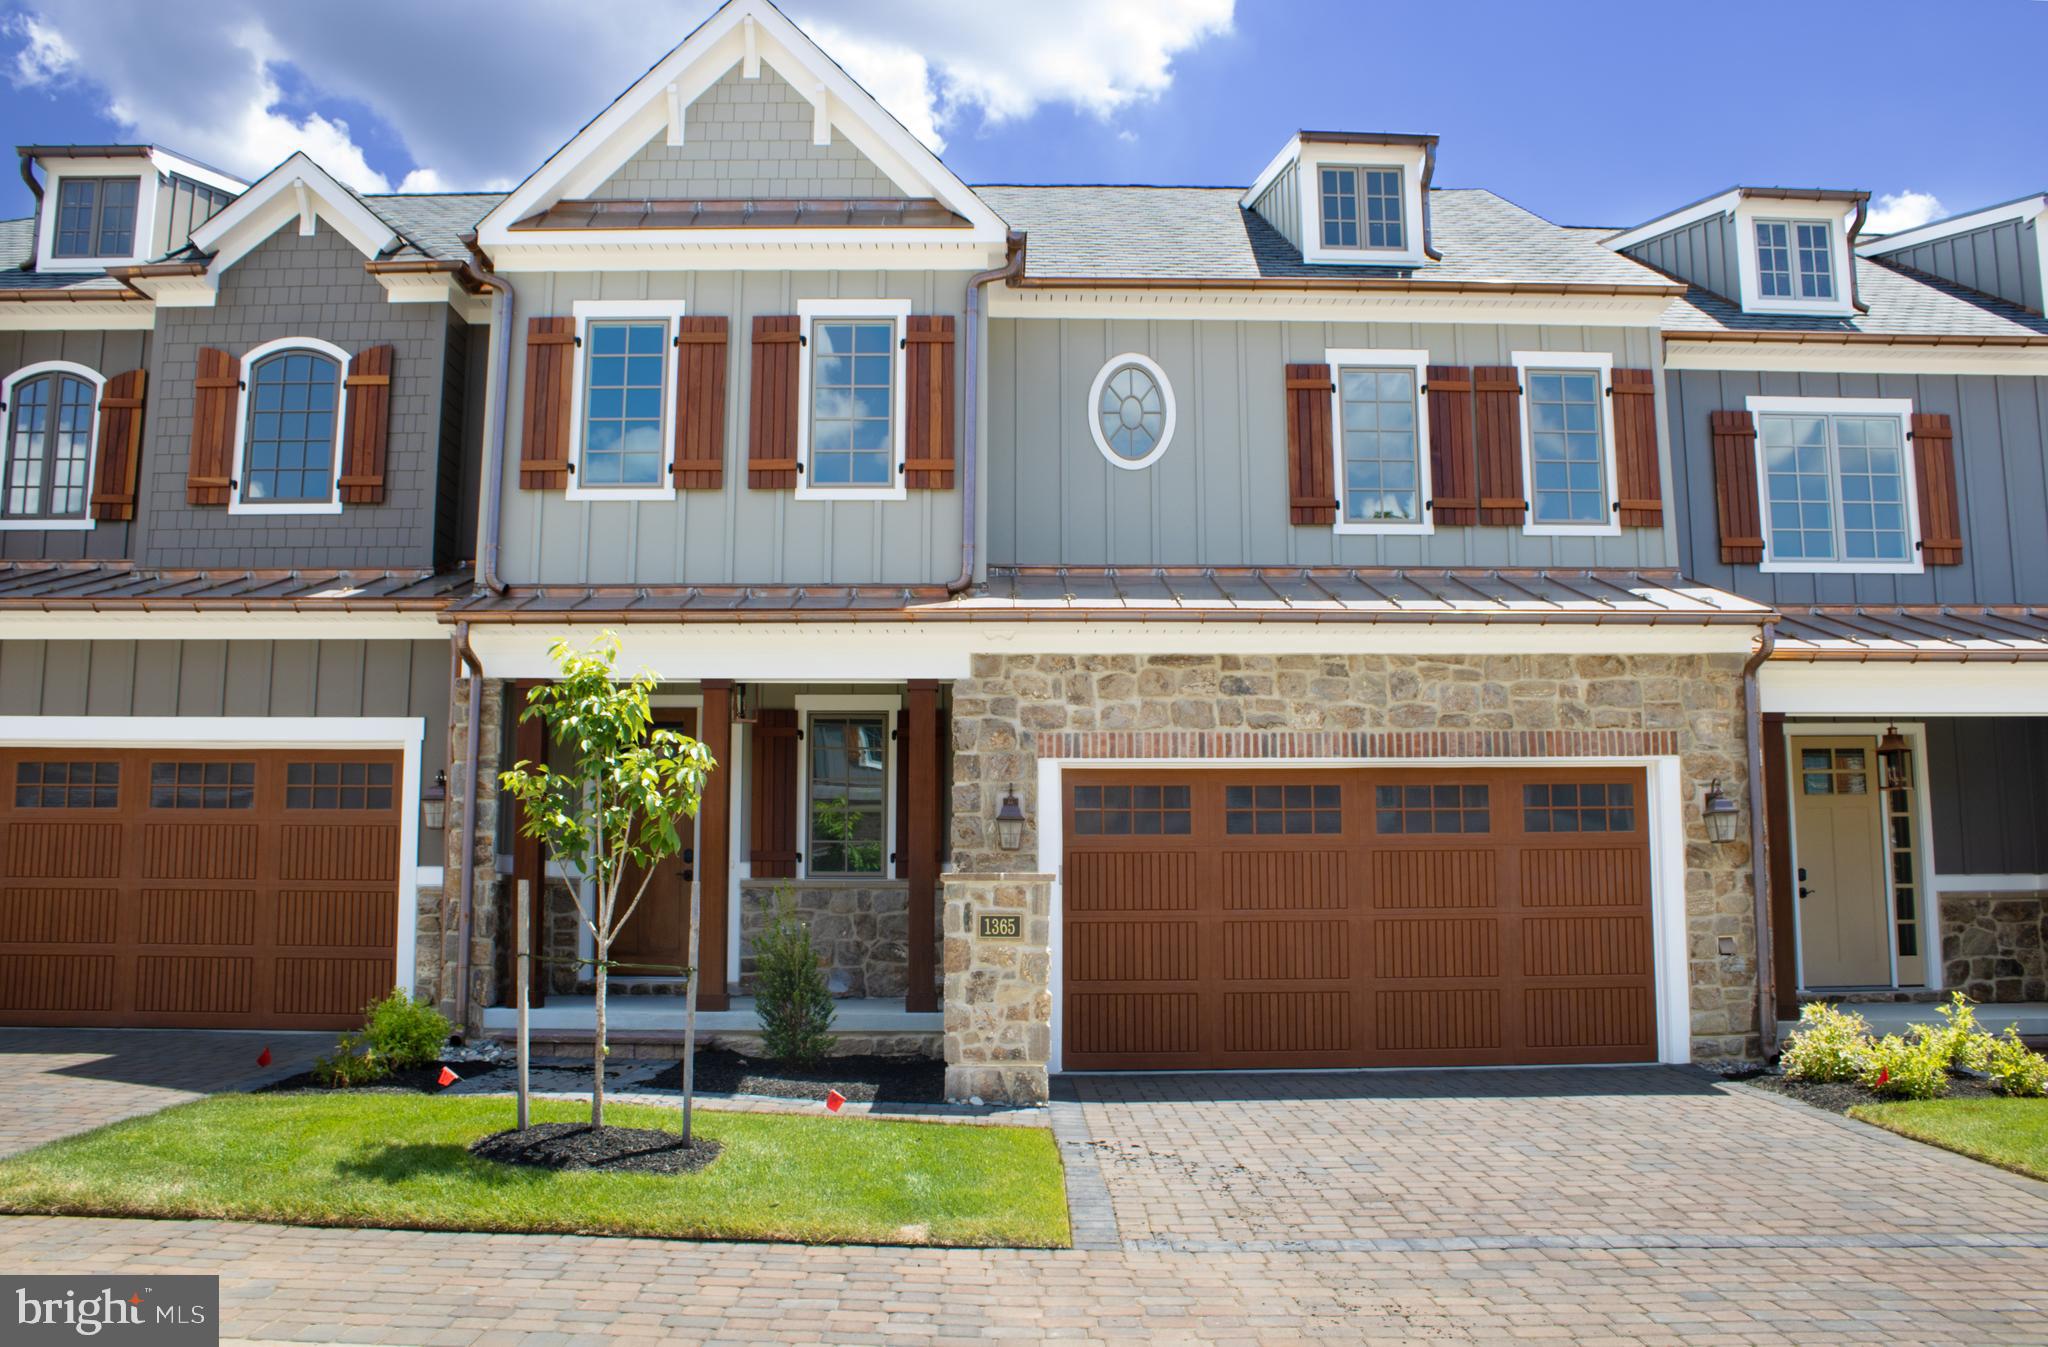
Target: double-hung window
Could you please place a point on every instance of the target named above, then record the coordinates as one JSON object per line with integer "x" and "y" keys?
{"x": 622, "y": 433}
{"x": 1382, "y": 440}
{"x": 1795, "y": 259}
{"x": 1361, "y": 208}
{"x": 850, "y": 427}
{"x": 1836, "y": 482}
{"x": 1568, "y": 439}
{"x": 847, "y": 786}
{"x": 96, "y": 217}
{"x": 294, "y": 403}
{"x": 50, "y": 416}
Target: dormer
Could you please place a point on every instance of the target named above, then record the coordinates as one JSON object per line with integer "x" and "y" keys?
{"x": 1350, "y": 198}
{"x": 105, "y": 206}
{"x": 2001, "y": 250}
{"x": 1773, "y": 250}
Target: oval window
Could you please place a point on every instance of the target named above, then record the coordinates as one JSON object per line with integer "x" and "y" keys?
{"x": 1131, "y": 411}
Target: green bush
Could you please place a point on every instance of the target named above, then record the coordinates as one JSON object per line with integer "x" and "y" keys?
{"x": 403, "y": 1032}
{"x": 1967, "y": 1046}
{"x": 354, "y": 1062}
{"x": 1913, "y": 1067}
{"x": 2015, "y": 1068}
{"x": 1830, "y": 1044}
{"x": 790, "y": 994}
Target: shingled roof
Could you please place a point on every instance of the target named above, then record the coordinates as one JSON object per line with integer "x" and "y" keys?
{"x": 1903, "y": 303}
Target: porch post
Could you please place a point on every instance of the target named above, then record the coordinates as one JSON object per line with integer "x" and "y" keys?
{"x": 529, "y": 858}
{"x": 921, "y": 839}
{"x": 1776, "y": 944}
{"x": 714, "y": 844}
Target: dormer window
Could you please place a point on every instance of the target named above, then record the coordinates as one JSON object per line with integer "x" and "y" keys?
{"x": 1362, "y": 208}
{"x": 96, "y": 217}
{"x": 1794, "y": 260}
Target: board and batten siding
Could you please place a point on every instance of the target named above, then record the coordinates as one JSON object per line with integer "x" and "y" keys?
{"x": 1218, "y": 495}
{"x": 1988, "y": 785}
{"x": 734, "y": 535}
{"x": 1702, "y": 253}
{"x": 107, "y": 354}
{"x": 2001, "y": 448}
{"x": 262, "y": 679}
{"x": 1280, "y": 204}
{"x": 2002, "y": 260}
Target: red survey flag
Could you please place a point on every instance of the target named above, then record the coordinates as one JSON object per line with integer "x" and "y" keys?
{"x": 446, "y": 1078}
{"x": 834, "y": 1100}
{"x": 263, "y": 1057}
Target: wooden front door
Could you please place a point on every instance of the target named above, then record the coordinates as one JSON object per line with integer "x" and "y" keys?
{"x": 658, "y": 933}
{"x": 1839, "y": 852}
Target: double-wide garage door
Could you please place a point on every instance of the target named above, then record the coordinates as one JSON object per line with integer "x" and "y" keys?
{"x": 213, "y": 889}
{"x": 1350, "y": 918}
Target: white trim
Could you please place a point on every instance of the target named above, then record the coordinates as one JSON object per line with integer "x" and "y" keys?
{"x": 92, "y": 441}
{"x": 406, "y": 733}
{"x": 2022, "y": 210}
{"x": 1151, "y": 367}
{"x": 809, "y": 311}
{"x": 274, "y": 201}
{"x": 1752, "y": 210}
{"x": 809, "y": 705}
{"x": 1602, "y": 363}
{"x": 1902, "y": 408}
{"x": 1988, "y": 883}
{"x": 1341, "y": 358}
{"x": 58, "y": 314}
{"x": 1818, "y": 355}
{"x": 1795, "y": 271}
{"x": 1723, "y": 203}
{"x": 1419, "y": 305}
{"x": 584, "y": 311}
{"x": 1663, "y": 817}
{"x": 1984, "y": 687}
{"x": 56, "y": 170}
{"x": 1408, "y": 160}
{"x": 246, "y": 395}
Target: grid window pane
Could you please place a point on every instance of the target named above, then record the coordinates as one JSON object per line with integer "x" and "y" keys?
{"x": 1773, "y": 259}
{"x": 67, "y": 785}
{"x": 289, "y": 454}
{"x": 1340, "y": 207}
{"x": 1816, "y": 262}
{"x": 1432, "y": 809}
{"x": 337, "y": 785}
{"x": 849, "y": 760}
{"x": 1132, "y": 412}
{"x": 1298, "y": 810}
{"x": 1566, "y": 455}
{"x": 77, "y": 205}
{"x": 1579, "y": 807}
{"x": 1123, "y": 811}
{"x": 49, "y": 448}
{"x": 853, "y": 373}
{"x": 202, "y": 785}
{"x": 624, "y": 369}
{"x": 96, "y": 217}
{"x": 1835, "y": 487}
{"x": 1381, "y": 478}
{"x": 1383, "y": 225}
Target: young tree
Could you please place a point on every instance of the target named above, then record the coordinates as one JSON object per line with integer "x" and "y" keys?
{"x": 613, "y": 814}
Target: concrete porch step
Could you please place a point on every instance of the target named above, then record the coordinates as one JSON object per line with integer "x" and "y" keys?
{"x": 1894, "y": 1017}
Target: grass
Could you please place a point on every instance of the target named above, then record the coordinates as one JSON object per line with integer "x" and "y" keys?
{"x": 401, "y": 1162}
{"x": 2009, "y": 1133}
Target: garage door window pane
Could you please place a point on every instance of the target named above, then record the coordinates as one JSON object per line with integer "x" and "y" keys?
{"x": 67, "y": 785}
{"x": 1131, "y": 811}
{"x": 202, "y": 785}
{"x": 1579, "y": 807}
{"x": 1432, "y": 808}
{"x": 337, "y": 785}
{"x": 1285, "y": 810}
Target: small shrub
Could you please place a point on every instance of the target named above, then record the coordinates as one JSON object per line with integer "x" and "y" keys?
{"x": 1967, "y": 1046}
{"x": 2015, "y": 1068}
{"x": 403, "y": 1032}
{"x": 1830, "y": 1044}
{"x": 1914, "y": 1067}
{"x": 790, "y": 993}
{"x": 354, "y": 1062}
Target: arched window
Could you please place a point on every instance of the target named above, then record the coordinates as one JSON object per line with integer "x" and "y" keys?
{"x": 50, "y": 412}
{"x": 294, "y": 404}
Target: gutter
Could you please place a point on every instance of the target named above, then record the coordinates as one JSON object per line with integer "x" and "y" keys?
{"x": 473, "y": 741}
{"x": 1681, "y": 335}
{"x": 35, "y": 189}
{"x": 489, "y": 505}
{"x": 970, "y": 450}
{"x": 1097, "y": 614}
{"x": 1344, "y": 284}
{"x": 1759, "y": 843}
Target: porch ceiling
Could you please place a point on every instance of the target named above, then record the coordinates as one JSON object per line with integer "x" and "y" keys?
{"x": 1931, "y": 632}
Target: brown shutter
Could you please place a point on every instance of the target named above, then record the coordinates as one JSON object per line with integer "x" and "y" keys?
{"x": 1638, "y": 494}
{"x": 771, "y": 419}
{"x": 550, "y": 361}
{"x": 368, "y": 433}
{"x": 774, "y": 803}
{"x": 1497, "y": 443}
{"x": 1311, "y": 495}
{"x": 1941, "y": 513}
{"x": 1449, "y": 391}
{"x": 928, "y": 389}
{"x": 120, "y": 447}
{"x": 700, "y": 404}
{"x": 1742, "y": 537}
{"x": 215, "y": 393}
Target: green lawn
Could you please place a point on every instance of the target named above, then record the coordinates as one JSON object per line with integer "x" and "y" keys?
{"x": 2009, "y": 1133}
{"x": 400, "y": 1161}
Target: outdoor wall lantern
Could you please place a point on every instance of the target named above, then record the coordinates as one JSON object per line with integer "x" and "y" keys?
{"x": 434, "y": 803}
{"x": 1010, "y": 822}
{"x": 1720, "y": 812}
{"x": 1896, "y": 758}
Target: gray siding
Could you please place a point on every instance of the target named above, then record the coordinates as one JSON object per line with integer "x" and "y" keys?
{"x": 1702, "y": 253}
{"x": 735, "y": 535}
{"x": 1988, "y": 779}
{"x": 747, "y": 138}
{"x": 2001, "y": 430}
{"x": 2001, "y": 260}
{"x": 298, "y": 287}
{"x": 182, "y": 206}
{"x": 1218, "y": 495}
{"x": 237, "y": 678}
{"x": 1280, "y": 204}
{"x": 109, "y": 353}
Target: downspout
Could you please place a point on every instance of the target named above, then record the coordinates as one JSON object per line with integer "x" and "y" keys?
{"x": 490, "y": 507}
{"x": 473, "y": 745}
{"x": 1759, "y": 861}
{"x": 1855, "y": 228}
{"x": 35, "y": 189}
{"x": 1012, "y": 267}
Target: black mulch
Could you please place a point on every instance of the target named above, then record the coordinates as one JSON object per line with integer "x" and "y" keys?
{"x": 632, "y": 1150}
{"x": 412, "y": 1080}
{"x": 881, "y": 1080}
{"x": 1841, "y": 1096}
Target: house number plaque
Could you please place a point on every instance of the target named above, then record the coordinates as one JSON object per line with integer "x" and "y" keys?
{"x": 1002, "y": 926}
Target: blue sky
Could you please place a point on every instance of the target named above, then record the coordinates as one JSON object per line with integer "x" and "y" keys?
{"x": 1587, "y": 113}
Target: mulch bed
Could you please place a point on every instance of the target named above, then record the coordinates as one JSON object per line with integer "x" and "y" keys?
{"x": 615, "y": 1150}
{"x": 1841, "y": 1096}
{"x": 413, "y": 1080}
{"x": 881, "y": 1080}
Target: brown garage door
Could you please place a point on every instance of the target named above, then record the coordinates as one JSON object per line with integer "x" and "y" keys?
{"x": 1337, "y": 918}
{"x": 214, "y": 889}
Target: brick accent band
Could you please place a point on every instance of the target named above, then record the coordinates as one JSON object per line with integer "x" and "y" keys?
{"x": 1362, "y": 744}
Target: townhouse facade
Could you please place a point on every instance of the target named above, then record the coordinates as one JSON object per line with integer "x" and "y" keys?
{"x": 1337, "y": 621}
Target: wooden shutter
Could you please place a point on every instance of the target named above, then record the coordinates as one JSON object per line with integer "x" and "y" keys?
{"x": 1497, "y": 443}
{"x": 550, "y": 363}
{"x": 1735, "y": 504}
{"x": 120, "y": 447}
{"x": 1638, "y": 494}
{"x": 368, "y": 432}
{"x": 1941, "y": 513}
{"x": 215, "y": 391}
{"x": 771, "y": 419}
{"x": 928, "y": 391}
{"x": 700, "y": 404}
{"x": 1449, "y": 393}
{"x": 1311, "y": 495}
{"x": 774, "y": 854}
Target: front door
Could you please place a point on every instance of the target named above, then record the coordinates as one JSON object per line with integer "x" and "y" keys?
{"x": 657, "y": 935}
{"x": 1843, "y": 940}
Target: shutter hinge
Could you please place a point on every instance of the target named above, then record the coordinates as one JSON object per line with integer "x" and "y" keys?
{"x": 569, "y": 467}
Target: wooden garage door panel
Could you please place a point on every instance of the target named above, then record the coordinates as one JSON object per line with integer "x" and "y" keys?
{"x": 57, "y": 916}
{"x": 1287, "y": 1022}
{"x": 1436, "y": 948}
{"x": 1411, "y": 879}
{"x": 1589, "y": 1017}
{"x": 38, "y": 850}
{"x": 339, "y": 851}
{"x": 1131, "y": 951}
{"x": 1132, "y": 881}
{"x": 1119, "y": 1024}
{"x": 195, "y": 984}
{"x": 1286, "y": 951}
{"x": 1272, "y": 881}
{"x": 1556, "y": 947}
{"x": 198, "y": 917}
{"x": 199, "y": 850}
{"x": 1448, "y": 1020}
{"x": 55, "y": 982}
{"x": 1585, "y": 877}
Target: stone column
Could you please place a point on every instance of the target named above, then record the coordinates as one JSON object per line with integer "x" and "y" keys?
{"x": 484, "y": 921}
{"x": 998, "y": 999}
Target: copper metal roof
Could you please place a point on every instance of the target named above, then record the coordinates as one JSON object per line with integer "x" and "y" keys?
{"x": 90, "y": 586}
{"x": 764, "y": 213}
{"x": 1986, "y": 634}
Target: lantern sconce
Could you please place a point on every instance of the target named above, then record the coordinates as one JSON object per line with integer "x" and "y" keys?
{"x": 1010, "y": 822}
{"x": 1720, "y": 812}
{"x": 1896, "y": 757}
{"x": 434, "y": 803}
{"x": 742, "y": 705}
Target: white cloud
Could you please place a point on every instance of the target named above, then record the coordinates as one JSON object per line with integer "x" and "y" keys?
{"x": 1895, "y": 211}
{"x": 44, "y": 58}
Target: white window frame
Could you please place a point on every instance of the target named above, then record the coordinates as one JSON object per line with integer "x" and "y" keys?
{"x": 886, "y": 705}
{"x": 1407, "y": 160}
{"x": 1751, "y": 212}
{"x": 809, "y": 311}
{"x": 1151, "y": 367}
{"x": 1899, "y": 408}
{"x": 247, "y": 393}
{"x": 92, "y": 449}
{"x": 585, "y": 311}
{"x": 1603, "y": 364}
{"x": 1342, "y": 358}
{"x": 60, "y": 169}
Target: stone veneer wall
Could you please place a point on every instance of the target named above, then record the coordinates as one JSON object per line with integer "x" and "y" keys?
{"x": 860, "y": 927}
{"x": 1478, "y": 705}
{"x": 485, "y": 973}
{"x": 998, "y": 992}
{"x": 1994, "y": 946}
